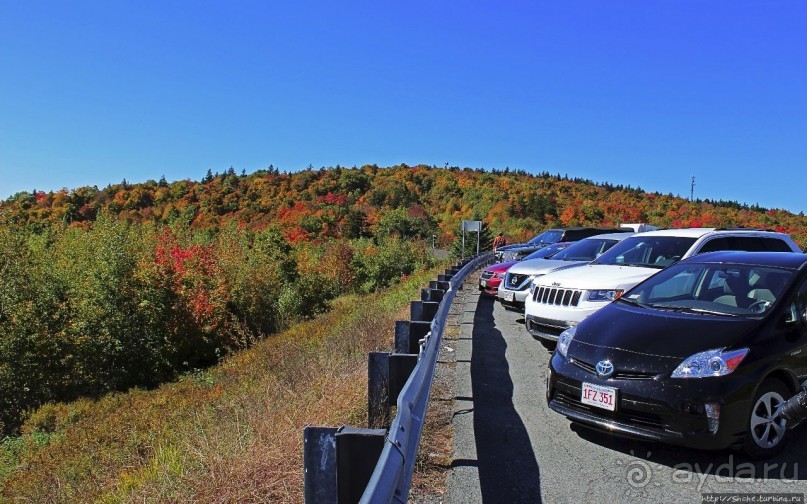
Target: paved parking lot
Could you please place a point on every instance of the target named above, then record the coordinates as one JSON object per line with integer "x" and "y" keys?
{"x": 510, "y": 447}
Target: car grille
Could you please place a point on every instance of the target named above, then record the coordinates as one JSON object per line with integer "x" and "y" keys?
{"x": 487, "y": 275}
{"x": 515, "y": 281}
{"x": 548, "y": 327}
{"x": 621, "y": 415}
{"x": 554, "y": 296}
{"x": 618, "y": 374}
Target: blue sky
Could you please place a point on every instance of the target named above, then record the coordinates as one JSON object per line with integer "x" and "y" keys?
{"x": 646, "y": 93}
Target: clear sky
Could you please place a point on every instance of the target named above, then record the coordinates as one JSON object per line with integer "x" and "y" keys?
{"x": 646, "y": 93}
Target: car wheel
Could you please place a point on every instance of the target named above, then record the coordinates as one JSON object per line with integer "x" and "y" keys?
{"x": 766, "y": 431}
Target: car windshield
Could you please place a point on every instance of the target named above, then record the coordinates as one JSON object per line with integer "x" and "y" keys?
{"x": 586, "y": 250}
{"x": 647, "y": 251}
{"x": 546, "y": 252}
{"x": 716, "y": 289}
{"x": 550, "y": 236}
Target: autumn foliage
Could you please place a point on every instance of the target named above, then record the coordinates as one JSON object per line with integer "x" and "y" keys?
{"x": 106, "y": 289}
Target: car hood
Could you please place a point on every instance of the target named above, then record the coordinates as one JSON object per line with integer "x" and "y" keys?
{"x": 598, "y": 276}
{"x": 541, "y": 266}
{"x": 652, "y": 341}
{"x": 501, "y": 267}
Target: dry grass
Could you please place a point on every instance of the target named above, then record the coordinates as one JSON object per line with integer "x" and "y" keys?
{"x": 229, "y": 434}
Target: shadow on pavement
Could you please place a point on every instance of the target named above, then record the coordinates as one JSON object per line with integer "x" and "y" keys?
{"x": 508, "y": 470}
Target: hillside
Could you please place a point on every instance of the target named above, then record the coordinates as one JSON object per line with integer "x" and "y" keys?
{"x": 412, "y": 201}
{"x": 232, "y": 433}
{"x": 128, "y": 286}
{"x": 107, "y": 294}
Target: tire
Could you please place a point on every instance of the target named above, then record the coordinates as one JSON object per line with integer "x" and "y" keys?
{"x": 764, "y": 437}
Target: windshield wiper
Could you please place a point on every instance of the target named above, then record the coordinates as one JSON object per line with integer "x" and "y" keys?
{"x": 689, "y": 309}
{"x": 632, "y": 302}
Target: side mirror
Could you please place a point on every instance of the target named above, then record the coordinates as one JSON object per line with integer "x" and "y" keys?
{"x": 791, "y": 315}
{"x": 796, "y": 315}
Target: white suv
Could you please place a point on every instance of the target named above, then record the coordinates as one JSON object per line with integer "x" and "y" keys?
{"x": 564, "y": 298}
{"x": 514, "y": 288}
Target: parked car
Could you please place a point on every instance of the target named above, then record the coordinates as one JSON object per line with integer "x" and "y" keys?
{"x": 701, "y": 354}
{"x": 515, "y": 288}
{"x": 570, "y": 234}
{"x": 562, "y": 299}
{"x": 492, "y": 276}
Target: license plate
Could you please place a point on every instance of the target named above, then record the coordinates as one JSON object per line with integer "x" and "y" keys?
{"x": 509, "y": 296}
{"x": 599, "y": 396}
{"x": 483, "y": 283}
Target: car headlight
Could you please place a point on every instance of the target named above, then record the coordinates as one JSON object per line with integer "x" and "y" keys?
{"x": 533, "y": 286}
{"x": 710, "y": 363}
{"x": 564, "y": 340}
{"x": 604, "y": 295}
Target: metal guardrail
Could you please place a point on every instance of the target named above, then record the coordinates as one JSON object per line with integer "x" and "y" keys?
{"x": 346, "y": 465}
{"x": 392, "y": 477}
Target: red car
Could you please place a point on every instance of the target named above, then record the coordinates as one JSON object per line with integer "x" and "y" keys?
{"x": 493, "y": 275}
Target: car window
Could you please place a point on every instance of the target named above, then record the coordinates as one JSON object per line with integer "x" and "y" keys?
{"x": 775, "y": 245}
{"x": 549, "y": 236}
{"x": 647, "y": 251}
{"x": 746, "y": 244}
{"x": 797, "y": 310}
{"x": 585, "y": 250}
{"x": 714, "y": 288}
{"x": 678, "y": 285}
{"x": 716, "y": 244}
{"x": 546, "y": 252}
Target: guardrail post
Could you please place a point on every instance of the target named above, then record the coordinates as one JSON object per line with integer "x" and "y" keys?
{"x": 400, "y": 367}
{"x": 423, "y": 310}
{"x": 434, "y": 284}
{"x": 401, "y": 336}
{"x": 319, "y": 464}
{"x": 432, "y": 294}
{"x": 357, "y": 452}
{"x": 378, "y": 390}
{"x": 417, "y": 331}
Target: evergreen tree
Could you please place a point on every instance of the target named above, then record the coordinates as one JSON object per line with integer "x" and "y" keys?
{"x": 208, "y": 178}
{"x": 485, "y": 242}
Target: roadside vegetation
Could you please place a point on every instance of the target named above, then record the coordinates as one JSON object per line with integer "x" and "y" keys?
{"x": 116, "y": 305}
{"x": 231, "y": 433}
{"x": 167, "y": 341}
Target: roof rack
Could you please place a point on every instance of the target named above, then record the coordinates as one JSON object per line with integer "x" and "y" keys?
{"x": 741, "y": 228}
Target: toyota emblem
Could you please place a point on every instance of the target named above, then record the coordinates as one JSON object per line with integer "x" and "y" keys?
{"x": 605, "y": 368}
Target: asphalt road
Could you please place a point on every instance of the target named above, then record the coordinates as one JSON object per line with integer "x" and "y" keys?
{"x": 510, "y": 447}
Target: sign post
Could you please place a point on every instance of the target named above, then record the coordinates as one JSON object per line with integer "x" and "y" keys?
{"x": 471, "y": 227}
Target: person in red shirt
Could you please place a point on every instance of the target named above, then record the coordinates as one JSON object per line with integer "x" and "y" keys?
{"x": 499, "y": 241}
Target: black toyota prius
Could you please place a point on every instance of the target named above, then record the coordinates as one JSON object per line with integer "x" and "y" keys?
{"x": 700, "y": 354}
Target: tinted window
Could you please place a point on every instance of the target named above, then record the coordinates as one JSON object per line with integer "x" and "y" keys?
{"x": 548, "y": 251}
{"x": 775, "y": 245}
{"x": 716, "y": 244}
{"x": 647, "y": 251}
{"x": 549, "y": 236}
{"x": 579, "y": 234}
{"x": 585, "y": 250}
{"x": 745, "y": 243}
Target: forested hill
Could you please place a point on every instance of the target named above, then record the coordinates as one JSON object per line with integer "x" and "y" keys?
{"x": 420, "y": 201}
